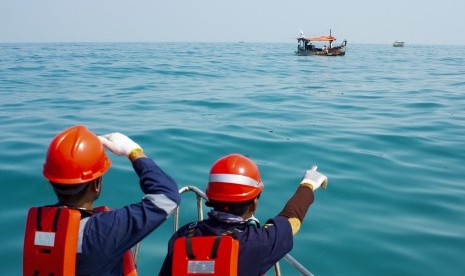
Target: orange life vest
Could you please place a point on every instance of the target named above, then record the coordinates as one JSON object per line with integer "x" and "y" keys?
{"x": 50, "y": 242}
{"x": 209, "y": 255}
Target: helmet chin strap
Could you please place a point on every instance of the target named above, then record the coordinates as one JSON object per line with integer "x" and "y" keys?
{"x": 98, "y": 188}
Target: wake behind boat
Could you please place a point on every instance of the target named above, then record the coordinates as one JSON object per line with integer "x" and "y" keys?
{"x": 305, "y": 47}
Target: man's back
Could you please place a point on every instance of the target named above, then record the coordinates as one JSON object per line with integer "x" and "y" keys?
{"x": 259, "y": 247}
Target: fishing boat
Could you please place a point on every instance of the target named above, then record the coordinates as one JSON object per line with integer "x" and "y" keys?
{"x": 398, "y": 43}
{"x": 306, "y": 47}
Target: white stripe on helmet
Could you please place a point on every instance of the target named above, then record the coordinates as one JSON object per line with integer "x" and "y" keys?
{"x": 234, "y": 179}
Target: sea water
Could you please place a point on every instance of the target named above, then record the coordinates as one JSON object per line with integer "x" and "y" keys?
{"x": 386, "y": 125}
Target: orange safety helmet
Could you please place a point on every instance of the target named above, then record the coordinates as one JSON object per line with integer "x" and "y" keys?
{"x": 75, "y": 156}
{"x": 234, "y": 178}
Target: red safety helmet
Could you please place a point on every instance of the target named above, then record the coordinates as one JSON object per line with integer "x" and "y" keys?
{"x": 75, "y": 156}
{"x": 234, "y": 178}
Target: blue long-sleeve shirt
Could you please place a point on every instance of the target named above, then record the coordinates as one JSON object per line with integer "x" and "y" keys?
{"x": 104, "y": 237}
{"x": 259, "y": 247}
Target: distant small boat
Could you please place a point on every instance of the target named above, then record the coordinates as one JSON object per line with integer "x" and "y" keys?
{"x": 305, "y": 47}
{"x": 398, "y": 44}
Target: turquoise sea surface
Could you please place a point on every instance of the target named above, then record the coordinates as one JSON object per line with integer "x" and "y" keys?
{"x": 386, "y": 125}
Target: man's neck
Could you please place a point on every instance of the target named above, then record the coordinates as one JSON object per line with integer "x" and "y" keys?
{"x": 83, "y": 206}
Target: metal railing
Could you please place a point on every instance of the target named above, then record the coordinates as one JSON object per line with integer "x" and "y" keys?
{"x": 200, "y": 196}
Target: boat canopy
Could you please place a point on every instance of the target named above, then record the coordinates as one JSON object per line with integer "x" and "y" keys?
{"x": 318, "y": 38}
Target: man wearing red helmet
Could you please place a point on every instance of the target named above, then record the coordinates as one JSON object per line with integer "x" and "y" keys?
{"x": 72, "y": 237}
{"x": 233, "y": 190}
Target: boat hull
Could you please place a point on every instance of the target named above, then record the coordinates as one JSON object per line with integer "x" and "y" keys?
{"x": 303, "y": 52}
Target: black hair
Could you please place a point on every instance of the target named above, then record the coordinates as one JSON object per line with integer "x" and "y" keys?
{"x": 235, "y": 208}
{"x": 67, "y": 193}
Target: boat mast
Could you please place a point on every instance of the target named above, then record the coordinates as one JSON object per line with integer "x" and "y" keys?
{"x": 330, "y": 42}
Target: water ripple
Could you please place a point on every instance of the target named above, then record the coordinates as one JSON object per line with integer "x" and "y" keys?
{"x": 385, "y": 125}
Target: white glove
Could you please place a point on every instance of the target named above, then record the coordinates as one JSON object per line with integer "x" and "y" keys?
{"x": 119, "y": 143}
{"x": 314, "y": 178}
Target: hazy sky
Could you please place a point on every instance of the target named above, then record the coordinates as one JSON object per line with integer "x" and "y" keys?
{"x": 358, "y": 21}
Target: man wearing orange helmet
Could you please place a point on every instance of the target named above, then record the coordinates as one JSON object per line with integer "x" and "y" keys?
{"x": 93, "y": 242}
{"x": 233, "y": 190}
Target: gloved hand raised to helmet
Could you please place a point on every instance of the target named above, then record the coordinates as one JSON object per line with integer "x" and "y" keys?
{"x": 314, "y": 178}
{"x": 119, "y": 143}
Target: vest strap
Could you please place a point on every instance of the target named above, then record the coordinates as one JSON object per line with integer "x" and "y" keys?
{"x": 55, "y": 219}
{"x": 216, "y": 244}
{"x": 189, "y": 250}
{"x": 39, "y": 219}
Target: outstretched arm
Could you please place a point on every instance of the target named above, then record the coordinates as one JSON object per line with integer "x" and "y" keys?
{"x": 297, "y": 206}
